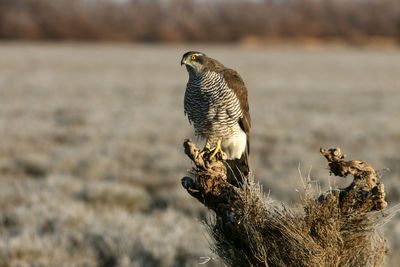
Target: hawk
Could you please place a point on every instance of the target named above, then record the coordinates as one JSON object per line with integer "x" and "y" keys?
{"x": 216, "y": 103}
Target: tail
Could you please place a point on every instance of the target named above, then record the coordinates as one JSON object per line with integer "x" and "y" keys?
{"x": 238, "y": 169}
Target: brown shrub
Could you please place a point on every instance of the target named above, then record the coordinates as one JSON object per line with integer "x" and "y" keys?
{"x": 199, "y": 21}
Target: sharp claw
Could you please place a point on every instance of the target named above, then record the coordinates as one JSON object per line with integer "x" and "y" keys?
{"x": 202, "y": 153}
{"x": 217, "y": 149}
{"x": 206, "y": 149}
{"x": 213, "y": 154}
{"x": 217, "y": 152}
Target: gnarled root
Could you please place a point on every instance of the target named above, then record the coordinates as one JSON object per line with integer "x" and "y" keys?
{"x": 365, "y": 193}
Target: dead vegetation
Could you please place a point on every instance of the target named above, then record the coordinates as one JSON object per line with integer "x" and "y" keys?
{"x": 338, "y": 228}
{"x": 200, "y": 21}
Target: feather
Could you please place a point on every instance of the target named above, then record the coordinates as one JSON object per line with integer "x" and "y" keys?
{"x": 236, "y": 84}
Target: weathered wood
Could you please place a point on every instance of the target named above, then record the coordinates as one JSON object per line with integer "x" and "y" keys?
{"x": 252, "y": 230}
{"x": 365, "y": 193}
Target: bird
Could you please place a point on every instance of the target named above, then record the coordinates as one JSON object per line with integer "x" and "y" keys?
{"x": 216, "y": 103}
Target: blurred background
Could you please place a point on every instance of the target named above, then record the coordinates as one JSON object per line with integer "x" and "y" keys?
{"x": 92, "y": 123}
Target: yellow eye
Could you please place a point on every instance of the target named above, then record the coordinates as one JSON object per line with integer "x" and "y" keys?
{"x": 193, "y": 57}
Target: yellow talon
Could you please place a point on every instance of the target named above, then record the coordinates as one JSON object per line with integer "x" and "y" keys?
{"x": 217, "y": 149}
{"x": 207, "y": 144}
{"x": 206, "y": 148}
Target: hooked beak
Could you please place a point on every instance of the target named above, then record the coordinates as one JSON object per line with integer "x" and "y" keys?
{"x": 183, "y": 61}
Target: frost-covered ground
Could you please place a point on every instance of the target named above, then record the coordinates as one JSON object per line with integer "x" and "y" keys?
{"x": 91, "y": 143}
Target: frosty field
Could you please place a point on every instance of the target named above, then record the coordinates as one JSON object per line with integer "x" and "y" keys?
{"x": 91, "y": 137}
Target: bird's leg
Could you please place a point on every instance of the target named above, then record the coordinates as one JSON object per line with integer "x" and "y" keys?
{"x": 206, "y": 148}
{"x": 217, "y": 149}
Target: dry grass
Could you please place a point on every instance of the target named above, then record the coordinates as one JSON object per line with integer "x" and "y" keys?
{"x": 271, "y": 234}
{"x": 338, "y": 228}
{"x": 81, "y": 121}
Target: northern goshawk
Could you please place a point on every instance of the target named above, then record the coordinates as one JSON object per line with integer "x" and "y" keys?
{"x": 216, "y": 103}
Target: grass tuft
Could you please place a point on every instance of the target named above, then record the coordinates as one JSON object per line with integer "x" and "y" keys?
{"x": 337, "y": 228}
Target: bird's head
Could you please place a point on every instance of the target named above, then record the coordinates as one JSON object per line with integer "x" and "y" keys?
{"x": 194, "y": 62}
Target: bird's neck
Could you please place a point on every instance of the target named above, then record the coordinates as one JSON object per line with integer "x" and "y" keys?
{"x": 194, "y": 75}
{"x": 202, "y": 76}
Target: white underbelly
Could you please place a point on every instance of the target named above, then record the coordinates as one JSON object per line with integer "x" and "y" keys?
{"x": 235, "y": 145}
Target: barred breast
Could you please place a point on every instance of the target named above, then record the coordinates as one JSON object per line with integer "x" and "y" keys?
{"x": 212, "y": 106}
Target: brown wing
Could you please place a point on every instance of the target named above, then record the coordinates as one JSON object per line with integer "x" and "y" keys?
{"x": 236, "y": 83}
